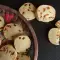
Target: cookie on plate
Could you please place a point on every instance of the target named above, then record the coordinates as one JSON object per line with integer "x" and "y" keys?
{"x": 12, "y": 29}
{"x": 57, "y": 24}
{"x": 54, "y": 36}
{"x": 45, "y": 13}
{"x": 29, "y": 15}
{"x": 22, "y": 43}
{"x": 28, "y": 11}
{"x": 5, "y": 56}
{"x": 1, "y": 22}
{"x": 9, "y": 50}
{"x": 23, "y": 57}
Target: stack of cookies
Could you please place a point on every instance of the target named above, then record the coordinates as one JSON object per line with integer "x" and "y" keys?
{"x": 11, "y": 31}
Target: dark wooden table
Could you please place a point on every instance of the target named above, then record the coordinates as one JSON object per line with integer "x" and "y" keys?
{"x": 47, "y": 51}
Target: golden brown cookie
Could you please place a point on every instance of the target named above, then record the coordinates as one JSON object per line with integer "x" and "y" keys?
{"x": 22, "y": 43}
{"x": 12, "y": 29}
{"x": 28, "y": 11}
{"x": 45, "y": 13}
{"x": 54, "y": 36}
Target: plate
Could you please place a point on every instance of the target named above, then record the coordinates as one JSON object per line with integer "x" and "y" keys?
{"x": 18, "y": 18}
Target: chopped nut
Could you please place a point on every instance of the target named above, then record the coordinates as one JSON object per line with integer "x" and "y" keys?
{"x": 25, "y": 4}
{"x": 44, "y": 9}
{"x": 19, "y": 37}
{"x": 23, "y": 38}
{"x": 48, "y": 7}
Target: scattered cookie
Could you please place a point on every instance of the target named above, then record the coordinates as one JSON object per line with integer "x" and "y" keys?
{"x": 29, "y": 15}
{"x": 1, "y": 22}
{"x": 54, "y": 36}
{"x": 45, "y": 13}
{"x": 57, "y": 24}
{"x": 5, "y": 56}
{"x": 22, "y": 43}
{"x": 10, "y": 50}
{"x": 28, "y": 11}
{"x": 12, "y": 29}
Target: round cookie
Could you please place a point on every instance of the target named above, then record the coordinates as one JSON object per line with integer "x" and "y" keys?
{"x": 22, "y": 43}
{"x": 28, "y": 11}
{"x": 23, "y": 57}
{"x": 57, "y": 24}
{"x": 1, "y": 22}
{"x": 45, "y": 13}
{"x": 5, "y": 56}
{"x": 54, "y": 36}
{"x": 10, "y": 50}
{"x": 12, "y": 29}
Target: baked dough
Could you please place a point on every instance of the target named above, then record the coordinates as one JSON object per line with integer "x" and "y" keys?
{"x": 54, "y": 36}
{"x": 1, "y": 22}
{"x": 28, "y": 11}
{"x": 8, "y": 49}
{"x": 22, "y": 43}
{"x": 12, "y": 29}
{"x": 45, "y": 13}
{"x": 57, "y": 24}
{"x": 23, "y": 57}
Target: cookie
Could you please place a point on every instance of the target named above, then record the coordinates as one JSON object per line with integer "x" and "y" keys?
{"x": 5, "y": 56}
{"x": 1, "y": 22}
{"x": 23, "y": 57}
{"x": 1, "y": 38}
{"x": 28, "y": 11}
{"x": 57, "y": 24}
{"x": 29, "y": 15}
{"x": 45, "y": 13}
{"x": 10, "y": 50}
{"x": 12, "y": 29}
{"x": 54, "y": 36}
{"x": 22, "y": 43}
